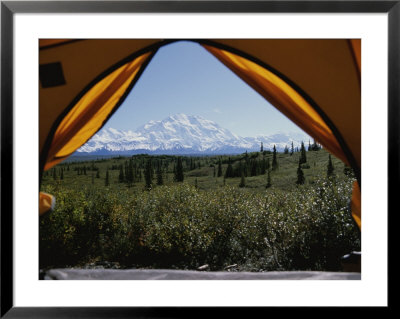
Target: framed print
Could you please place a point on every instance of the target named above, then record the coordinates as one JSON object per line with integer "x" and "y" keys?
{"x": 191, "y": 199}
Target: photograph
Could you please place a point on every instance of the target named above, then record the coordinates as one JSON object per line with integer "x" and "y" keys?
{"x": 199, "y": 159}
{"x": 165, "y": 158}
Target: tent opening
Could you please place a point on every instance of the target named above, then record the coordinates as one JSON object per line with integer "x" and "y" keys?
{"x": 90, "y": 112}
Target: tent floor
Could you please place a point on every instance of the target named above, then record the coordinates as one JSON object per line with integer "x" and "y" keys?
{"x": 166, "y": 274}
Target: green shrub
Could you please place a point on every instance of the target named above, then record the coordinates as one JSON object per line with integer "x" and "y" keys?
{"x": 180, "y": 226}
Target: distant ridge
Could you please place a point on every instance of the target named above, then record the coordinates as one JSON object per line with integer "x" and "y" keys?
{"x": 186, "y": 135}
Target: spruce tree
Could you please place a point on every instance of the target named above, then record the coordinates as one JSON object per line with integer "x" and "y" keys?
{"x": 263, "y": 166}
{"x": 303, "y": 157}
{"x": 219, "y": 168}
{"x": 292, "y": 150}
{"x": 129, "y": 176}
{"x": 268, "y": 180}
{"x": 286, "y": 151}
{"x": 107, "y": 181}
{"x": 179, "y": 171}
{"x": 274, "y": 160}
{"x": 262, "y": 148}
{"x": 300, "y": 175}
{"x": 229, "y": 170}
{"x": 253, "y": 171}
{"x": 315, "y": 146}
{"x": 242, "y": 179}
{"x": 160, "y": 180}
{"x": 147, "y": 174}
{"x": 347, "y": 170}
{"x": 330, "y": 168}
{"x": 245, "y": 169}
{"x": 62, "y": 174}
{"x": 121, "y": 177}
{"x": 125, "y": 171}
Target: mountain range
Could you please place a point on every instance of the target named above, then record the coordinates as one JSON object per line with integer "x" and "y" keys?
{"x": 183, "y": 134}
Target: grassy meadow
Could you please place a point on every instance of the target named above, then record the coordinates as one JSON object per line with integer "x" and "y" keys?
{"x": 123, "y": 212}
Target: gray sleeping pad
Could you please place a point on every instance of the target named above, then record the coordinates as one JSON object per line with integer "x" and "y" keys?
{"x": 167, "y": 274}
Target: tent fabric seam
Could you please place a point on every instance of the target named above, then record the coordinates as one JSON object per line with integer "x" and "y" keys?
{"x": 51, "y": 46}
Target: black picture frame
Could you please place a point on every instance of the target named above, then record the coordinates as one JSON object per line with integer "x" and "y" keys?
{"x": 9, "y": 8}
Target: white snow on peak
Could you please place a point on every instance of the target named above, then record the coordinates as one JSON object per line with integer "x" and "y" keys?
{"x": 186, "y": 133}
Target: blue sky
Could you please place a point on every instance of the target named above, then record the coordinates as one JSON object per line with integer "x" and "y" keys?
{"x": 184, "y": 78}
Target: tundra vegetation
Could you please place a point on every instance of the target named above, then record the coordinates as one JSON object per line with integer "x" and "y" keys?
{"x": 260, "y": 211}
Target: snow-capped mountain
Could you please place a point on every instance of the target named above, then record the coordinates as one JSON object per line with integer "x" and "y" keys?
{"x": 183, "y": 134}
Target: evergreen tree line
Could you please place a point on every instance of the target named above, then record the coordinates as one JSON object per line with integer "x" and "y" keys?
{"x": 314, "y": 146}
{"x": 249, "y": 166}
{"x": 155, "y": 170}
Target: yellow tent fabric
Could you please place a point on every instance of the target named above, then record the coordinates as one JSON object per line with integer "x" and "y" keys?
{"x": 323, "y": 69}
{"x": 315, "y": 82}
{"x": 356, "y": 204}
{"x": 91, "y": 112}
{"x": 46, "y": 203}
{"x": 284, "y": 97}
{"x": 356, "y": 47}
{"x": 69, "y": 68}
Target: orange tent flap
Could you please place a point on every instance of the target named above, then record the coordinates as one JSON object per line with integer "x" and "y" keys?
{"x": 43, "y": 43}
{"x": 68, "y": 66}
{"x": 356, "y": 47}
{"x": 92, "y": 111}
{"x": 356, "y": 204}
{"x": 324, "y": 69}
{"x": 283, "y": 97}
{"x": 46, "y": 203}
